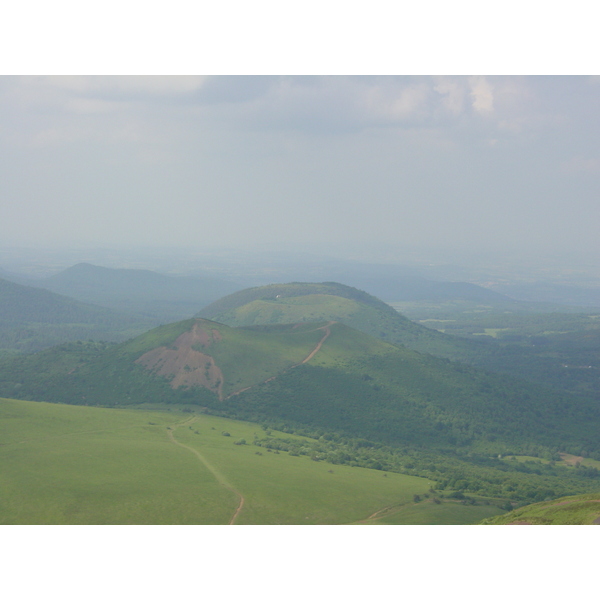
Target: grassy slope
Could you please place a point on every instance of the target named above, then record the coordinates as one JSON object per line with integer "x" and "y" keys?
{"x": 86, "y": 465}
{"x": 445, "y": 513}
{"x": 249, "y": 357}
{"x": 81, "y": 465}
{"x": 571, "y": 510}
{"x": 245, "y": 357}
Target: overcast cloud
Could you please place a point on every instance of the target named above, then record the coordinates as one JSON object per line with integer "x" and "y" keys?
{"x": 487, "y": 163}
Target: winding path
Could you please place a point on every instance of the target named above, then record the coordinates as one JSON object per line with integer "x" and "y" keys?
{"x": 218, "y": 475}
{"x": 327, "y": 333}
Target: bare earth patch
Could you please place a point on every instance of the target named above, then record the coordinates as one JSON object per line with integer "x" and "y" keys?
{"x": 571, "y": 459}
{"x": 184, "y": 365}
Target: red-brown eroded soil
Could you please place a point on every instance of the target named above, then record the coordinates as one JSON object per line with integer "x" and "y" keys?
{"x": 186, "y": 366}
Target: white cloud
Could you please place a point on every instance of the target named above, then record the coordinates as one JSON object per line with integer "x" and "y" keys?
{"x": 482, "y": 95}
{"x": 395, "y": 103}
{"x": 453, "y": 94}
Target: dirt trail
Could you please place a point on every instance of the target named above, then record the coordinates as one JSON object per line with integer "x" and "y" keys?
{"x": 218, "y": 475}
{"x": 327, "y": 333}
{"x": 377, "y": 514}
{"x": 318, "y": 346}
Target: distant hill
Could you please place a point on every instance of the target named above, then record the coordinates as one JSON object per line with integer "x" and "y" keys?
{"x": 160, "y": 297}
{"x": 32, "y": 319}
{"x": 551, "y": 292}
{"x": 571, "y": 510}
{"x": 304, "y": 302}
{"x": 402, "y": 287}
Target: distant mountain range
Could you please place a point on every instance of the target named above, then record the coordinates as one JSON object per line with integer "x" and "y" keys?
{"x": 586, "y": 298}
{"x": 169, "y": 297}
{"x": 138, "y": 291}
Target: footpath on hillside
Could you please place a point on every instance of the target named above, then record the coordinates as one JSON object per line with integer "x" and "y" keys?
{"x": 218, "y": 475}
{"x": 325, "y": 328}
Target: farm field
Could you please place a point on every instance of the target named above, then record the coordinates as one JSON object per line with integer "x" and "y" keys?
{"x": 62, "y": 464}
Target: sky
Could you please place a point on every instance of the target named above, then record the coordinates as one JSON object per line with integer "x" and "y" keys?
{"x": 479, "y": 163}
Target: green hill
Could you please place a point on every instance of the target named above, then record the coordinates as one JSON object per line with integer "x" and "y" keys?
{"x": 303, "y": 302}
{"x": 32, "y": 319}
{"x": 529, "y": 360}
{"x": 571, "y": 510}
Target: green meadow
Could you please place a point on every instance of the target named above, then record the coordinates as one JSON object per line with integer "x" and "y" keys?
{"x": 312, "y": 307}
{"x": 570, "y": 510}
{"x": 62, "y": 464}
{"x": 444, "y": 513}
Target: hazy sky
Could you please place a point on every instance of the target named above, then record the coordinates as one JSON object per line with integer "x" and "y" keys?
{"x": 461, "y": 162}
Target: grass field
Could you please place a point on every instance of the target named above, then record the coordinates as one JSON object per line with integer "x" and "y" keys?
{"x": 313, "y": 307}
{"x": 83, "y": 465}
{"x": 571, "y": 510}
{"x": 430, "y": 513}
{"x": 64, "y": 464}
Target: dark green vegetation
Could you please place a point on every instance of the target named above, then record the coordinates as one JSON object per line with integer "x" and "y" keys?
{"x": 163, "y": 298}
{"x": 571, "y": 510}
{"x": 556, "y": 349}
{"x": 32, "y": 319}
